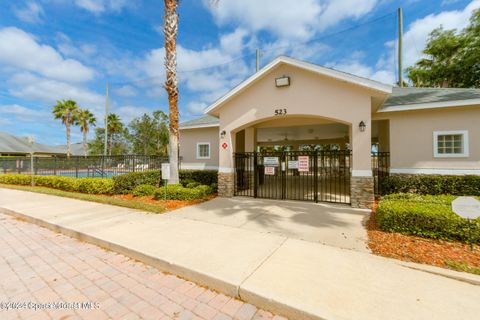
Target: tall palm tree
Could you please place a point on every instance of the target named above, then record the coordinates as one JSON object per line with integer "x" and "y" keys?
{"x": 67, "y": 111}
{"x": 85, "y": 119}
{"x": 114, "y": 126}
{"x": 170, "y": 29}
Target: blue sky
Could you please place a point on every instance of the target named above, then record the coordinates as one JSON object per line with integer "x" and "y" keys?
{"x": 68, "y": 49}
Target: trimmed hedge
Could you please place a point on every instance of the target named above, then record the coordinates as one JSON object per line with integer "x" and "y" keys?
{"x": 179, "y": 192}
{"x": 425, "y": 216}
{"x": 125, "y": 183}
{"x": 468, "y": 185}
{"x": 144, "y": 190}
{"x": 83, "y": 185}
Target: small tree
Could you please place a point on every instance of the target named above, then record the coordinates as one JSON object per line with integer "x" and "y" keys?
{"x": 115, "y": 127}
{"x": 85, "y": 119}
{"x": 67, "y": 111}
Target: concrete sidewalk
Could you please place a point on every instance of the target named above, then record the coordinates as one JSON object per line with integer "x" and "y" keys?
{"x": 299, "y": 279}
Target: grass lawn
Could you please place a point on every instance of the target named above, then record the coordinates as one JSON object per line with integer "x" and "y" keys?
{"x": 122, "y": 201}
{"x": 446, "y": 254}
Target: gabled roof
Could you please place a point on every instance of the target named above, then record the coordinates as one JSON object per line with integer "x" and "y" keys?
{"x": 19, "y": 145}
{"x": 202, "y": 122}
{"x": 339, "y": 75}
{"x": 413, "y": 98}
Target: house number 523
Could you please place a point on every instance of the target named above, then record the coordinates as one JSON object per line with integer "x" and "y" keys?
{"x": 280, "y": 112}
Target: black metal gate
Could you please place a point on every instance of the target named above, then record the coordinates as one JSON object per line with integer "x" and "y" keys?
{"x": 380, "y": 169}
{"x": 294, "y": 175}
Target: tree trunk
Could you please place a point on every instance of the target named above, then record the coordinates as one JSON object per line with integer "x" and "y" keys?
{"x": 67, "y": 126}
{"x": 171, "y": 84}
{"x": 110, "y": 144}
{"x": 85, "y": 146}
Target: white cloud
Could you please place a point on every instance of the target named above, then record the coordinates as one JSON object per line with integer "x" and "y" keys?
{"x": 285, "y": 19}
{"x": 75, "y": 49}
{"x": 417, "y": 32}
{"x": 128, "y": 113}
{"x": 33, "y": 88}
{"x": 21, "y": 50}
{"x": 196, "y": 108}
{"x": 195, "y": 67}
{"x": 126, "y": 91}
{"x": 31, "y": 13}
{"x": 100, "y": 6}
{"x": 24, "y": 114}
{"x": 354, "y": 66}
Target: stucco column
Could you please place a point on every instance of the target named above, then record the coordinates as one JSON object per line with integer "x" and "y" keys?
{"x": 361, "y": 181}
{"x": 250, "y": 139}
{"x": 226, "y": 174}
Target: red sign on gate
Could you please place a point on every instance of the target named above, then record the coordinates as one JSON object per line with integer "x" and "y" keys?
{"x": 224, "y": 145}
{"x": 303, "y": 164}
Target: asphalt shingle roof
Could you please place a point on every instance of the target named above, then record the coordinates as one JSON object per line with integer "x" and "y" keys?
{"x": 410, "y": 95}
{"x": 202, "y": 121}
{"x": 13, "y": 144}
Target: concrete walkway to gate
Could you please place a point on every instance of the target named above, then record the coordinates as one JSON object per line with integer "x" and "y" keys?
{"x": 299, "y": 279}
{"x": 331, "y": 224}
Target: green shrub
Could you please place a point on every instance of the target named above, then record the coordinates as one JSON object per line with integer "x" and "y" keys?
{"x": 84, "y": 185}
{"x": 432, "y": 184}
{"x": 125, "y": 183}
{"x": 206, "y": 177}
{"x": 425, "y": 216}
{"x": 144, "y": 190}
{"x": 179, "y": 192}
{"x": 94, "y": 185}
{"x": 192, "y": 185}
{"x": 20, "y": 179}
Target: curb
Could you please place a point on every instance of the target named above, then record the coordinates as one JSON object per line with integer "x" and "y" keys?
{"x": 202, "y": 279}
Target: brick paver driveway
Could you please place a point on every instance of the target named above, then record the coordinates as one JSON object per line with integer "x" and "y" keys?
{"x": 38, "y": 267}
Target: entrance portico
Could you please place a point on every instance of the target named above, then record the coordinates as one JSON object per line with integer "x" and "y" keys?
{"x": 318, "y": 106}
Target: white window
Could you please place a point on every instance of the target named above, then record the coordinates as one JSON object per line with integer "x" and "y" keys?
{"x": 450, "y": 144}
{"x": 203, "y": 150}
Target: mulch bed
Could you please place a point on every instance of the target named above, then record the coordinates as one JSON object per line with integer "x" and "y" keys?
{"x": 167, "y": 204}
{"x": 420, "y": 250}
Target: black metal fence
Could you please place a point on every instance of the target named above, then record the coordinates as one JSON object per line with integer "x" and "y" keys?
{"x": 380, "y": 169}
{"x": 78, "y": 166}
{"x": 294, "y": 175}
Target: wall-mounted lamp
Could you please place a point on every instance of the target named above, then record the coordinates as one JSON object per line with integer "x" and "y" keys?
{"x": 222, "y": 134}
{"x": 362, "y": 126}
{"x": 282, "y": 81}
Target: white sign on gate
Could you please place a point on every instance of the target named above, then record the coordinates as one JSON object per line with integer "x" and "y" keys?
{"x": 303, "y": 164}
{"x": 269, "y": 171}
{"x": 270, "y": 161}
{"x": 165, "y": 171}
{"x": 292, "y": 164}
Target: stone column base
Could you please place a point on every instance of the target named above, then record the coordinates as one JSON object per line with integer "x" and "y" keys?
{"x": 362, "y": 192}
{"x": 226, "y": 185}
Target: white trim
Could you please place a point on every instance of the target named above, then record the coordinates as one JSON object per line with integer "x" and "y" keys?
{"x": 448, "y": 171}
{"x": 350, "y": 78}
{"x": 209, "y": 151}
{"x": 431, "y": 105}
{"x": 213, "y": 125}
{"x": 465, "y": 142}
{"x": 225, "y": 170}
{"x": 194, "y": 166}
{"x": 362, "y": 173}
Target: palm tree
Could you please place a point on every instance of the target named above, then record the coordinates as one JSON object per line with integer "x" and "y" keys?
{"x": 67, "y": 111}
{"x": 170, "y": 29}
{"x": 85, "y": 119}
{"x": 114, "y": 126}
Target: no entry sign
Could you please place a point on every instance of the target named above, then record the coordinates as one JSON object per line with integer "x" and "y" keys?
{"x": 269, "y": 171}
{"x": 303, "y": 164}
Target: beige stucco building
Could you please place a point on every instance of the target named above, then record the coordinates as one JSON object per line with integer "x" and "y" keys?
{"x": 296, "y": 130}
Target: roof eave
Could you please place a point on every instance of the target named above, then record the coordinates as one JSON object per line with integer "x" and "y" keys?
{"x": 430, "y": 105}
{"x": 213, "y": 125}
